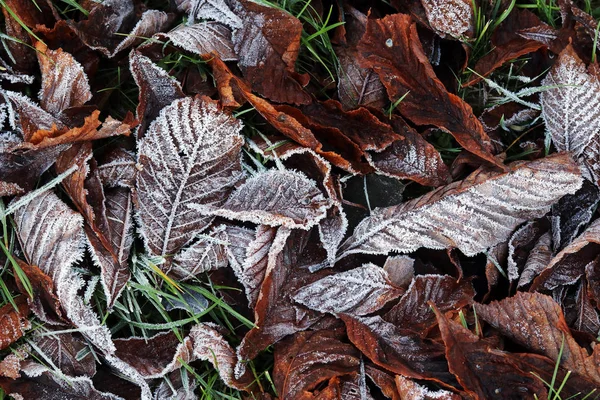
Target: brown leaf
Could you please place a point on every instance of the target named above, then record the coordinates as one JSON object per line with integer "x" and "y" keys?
{"x": 400, "y": 270}
{"x": 535, "y": 321}
{"x": 398, "y": 350}
{"x": 206, "y": 254}
{"x": 359, "y": 291}
{"x": 267, "y": 44}
{"x": 413, "y": 311}
{"x": 157, "y": 89}
{"x": 568, "y": 265}
{"x": 44, "y": 303}
{"x": 357, "y": 86}
{"x": 63, "y": 350}
{"x": 14, "y": 322}
{"x": 118, "y": 169}
{"x": 307, "y": 359}
{"x": 449, "y": 17}
{"x": 410, "y": 157}
{"x": 32, "y": 117}
{"x": 276, "y": 315}
{"x": 537, "y": 261}
{"x": 10, "y": 366}
{"x": 448, "y": 216}
{"x": 521, "y": 244}
{"x": 410, "y": 390}
{"x": 509, "y": 44}
{"x": 64, "y": 83}
{"x": 587, "y": 316}
{"x": 392, "y": 48}
{"x": 483, "y": 372}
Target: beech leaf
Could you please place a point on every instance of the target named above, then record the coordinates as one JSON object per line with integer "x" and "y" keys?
{"x": 360, "y": 291}
{"x": 14, "y": 322}
{"x": 203, "y": 38}
{"x": 207, "y": 254}
{"x": 449, "y": 17}
{"x": 190, "y": 155}
{"x": 473, "y": 214}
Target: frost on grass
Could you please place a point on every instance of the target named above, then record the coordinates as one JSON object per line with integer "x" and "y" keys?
{"x": 190, "y": 155}
{"x": 52, "y": 237}
{"x": 571, "y": 110}
{"x": 360, "y": 291}
{"x": 203, "y": 38}
{"x": 471, "y": 215}
{"x": 64, "y": 83}
{"x": 274, "y": 198}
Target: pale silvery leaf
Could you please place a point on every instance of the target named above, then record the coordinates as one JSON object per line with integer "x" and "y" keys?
{"x": 52, "y": 238}
{"x": 31, "y": 117}
{"x": 206, "y": 254}
{"x": 189, "y": 155}
{"x": 119, "y": 170}
{"x": 360, "y": 291}
{"x": 203, "y": 38}
{"x": 571, "y": 110}
{"x": 524, "y": 236}
{"x": 115, "y": 272}
{"x": 332, "y": 230}
{"x": 64, "y": 83}
{"x": 471, "y": 215}
{"x": 150, "y": 22}
{"x": 274, "y": 198}
{"x": 216, "y": 10}
{"x": 449, "y": 17}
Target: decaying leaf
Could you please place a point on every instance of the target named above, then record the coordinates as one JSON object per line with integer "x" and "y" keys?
{"x": 307, "y": 359}
{"x": 449, "y": 17}
{"x": 51, "y": 236}
{"x": 413, "y": 311}
{"x": 203, "y": 38}
{"x": 63, "y": 350}
{"x": 206, "y": 254}
{"x": 360, "y": 291}
{"x": 539, "y": 258}
{"x": 410, "y": 390}
{"x": 118, "y": 170}
{"x": 483, "y": 372}
{"x": 571, "y": 109}
{"x": 391, "y": 47}
{"x": 216, "y": 10}
{"x": 471, "y": 215}
{"x": 274, "y": 198}
{"x": 189, "y": 155}
{"x": 14, "y": 322}
{"x": 537, "y": 322}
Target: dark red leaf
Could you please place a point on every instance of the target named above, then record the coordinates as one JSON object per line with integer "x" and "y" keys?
{"x": 13, "y": 321}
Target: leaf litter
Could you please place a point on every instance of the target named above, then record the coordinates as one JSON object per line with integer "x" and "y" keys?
{"x": 299, "y": 200}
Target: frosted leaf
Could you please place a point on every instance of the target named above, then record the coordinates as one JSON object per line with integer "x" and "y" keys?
{"x": 572, "y": 110}
{"x": 31, "y": 116}
{"x": 131, "y": 374}
{"x": 209, "y": 345}
{"x": 40, "y": 383}
{"x": 10, "y": 366}
{"x": 400, "y": 270}
{"x": 62, "y": 349}
{"x": 587, "y": 316}
{"x": 449, "y": 17}
{"x": 274, "y": 198}
{"x": 332, "y": 230}
{"x": 238, "y": 240}
{"x": 410, "y": 390}
{"x": 156, "y": 356}
{"x": 258, "y": 252}
{"x": 592, "y": 159}
{"x": 157, "y": 89}
{"x": 189, "y": 155}
{"x": 115, "y": 272}
{"x": 471, "y": 215}
{"x": 119, "y": 170}
{"x": 538, "y": 260}
{"x": 536, "y": 322}
{"x": 360, "y": 291}
{"x": 150, "y": 22}
{"x": 206, "y": 254}
{"x": 519, "y": 245}
{"x": 413, "y": 311}
{"x": 569, "y": 264}
{"x": 203, "y": 38}
{"x": 52, "y": 237}
{"x": 181, "y": 386}
{"x": 216, "y": 10}
{"x": 357, "y": 86}
{"x": 14, "y": 322}
{"x": 64, "y": 83}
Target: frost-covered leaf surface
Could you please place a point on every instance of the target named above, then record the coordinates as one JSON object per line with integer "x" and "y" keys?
{"x": 471, "y": 215}
{"x": 190, "y": 155}
{"x": 206, "y": 254}
{"x": 449, "y": 17}
{"x": 274, "y": 198}
{"x": 360, "y": 291}
{"x": 14, "y": 322}
{"x": 204, "y": 38}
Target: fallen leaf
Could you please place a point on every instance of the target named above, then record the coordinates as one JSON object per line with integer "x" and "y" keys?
{"x": 536, "y": 322}
{"x": 539, "y": 258}
{"x": 587, "y": 316}
{"x": 203, "y": 38}
{"x": 360, "y": 291}
{"x": 118, "y": 170}
{"x": 391, "y": 47}
{"x": 449, "y": 17}
{"x": 483, "y": 372}
{"x": 189, "y": 155}
{"x": 44, "y": 303}
{"x": 410, "y": 390}
{"x": 274, "y": 198}
{"x": 206, "y": 254}
{"x": 216, "y": 10}
{"x": 521, "y": 244}
{"x": 449, "y": 216}
{"x": 307, "y": 359}
{"x": 14, "y": 321}
{"x": 569, "y": 264}
{"x": 63, "y": 349}
{"x": 413, "y": 311}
